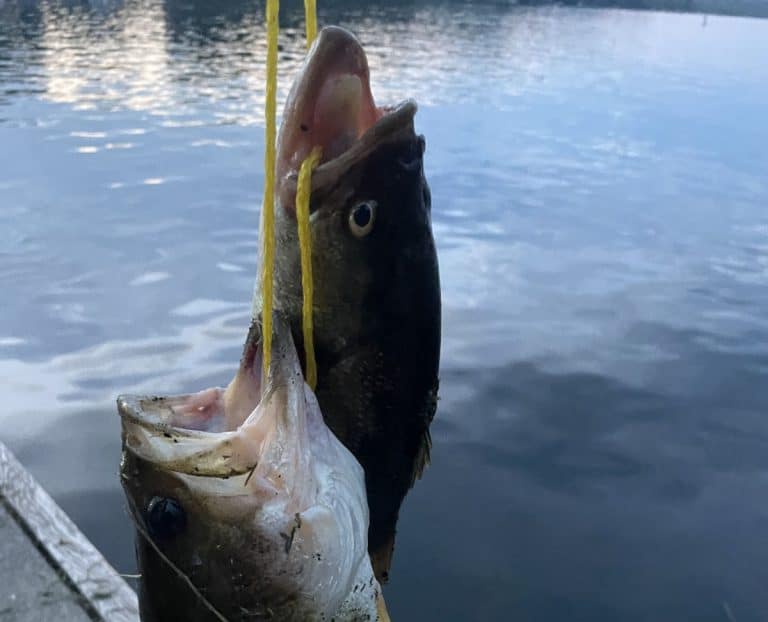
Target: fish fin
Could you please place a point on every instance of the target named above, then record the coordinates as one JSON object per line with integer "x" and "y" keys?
{"x": 423, "y": 457}
{"x": 423, "y": 453}
{"x": 381, "y": 559}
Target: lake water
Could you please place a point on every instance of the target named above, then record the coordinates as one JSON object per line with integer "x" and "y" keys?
{"x": 600, "y": 192}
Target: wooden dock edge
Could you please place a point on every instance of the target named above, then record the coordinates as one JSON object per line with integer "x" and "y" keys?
{"x": 105, "y": 593}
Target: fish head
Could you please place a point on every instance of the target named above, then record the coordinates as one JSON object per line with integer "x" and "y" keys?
{"x": 374, "y": 263}
{"x": 246, "y": 515}
{"x": 370, "y": 205}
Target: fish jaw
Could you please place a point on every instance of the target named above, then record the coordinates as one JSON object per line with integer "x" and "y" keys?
{"x": 274, "y": 510}
{"x": 330, "y": 103}
{"x": 331, "y": 106}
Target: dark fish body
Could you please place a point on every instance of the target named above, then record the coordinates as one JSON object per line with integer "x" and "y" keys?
{"x": 376, "y": 293}
{"x": 377, "y": 324}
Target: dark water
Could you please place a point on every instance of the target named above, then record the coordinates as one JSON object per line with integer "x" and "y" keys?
{"x": 600, "y": 183}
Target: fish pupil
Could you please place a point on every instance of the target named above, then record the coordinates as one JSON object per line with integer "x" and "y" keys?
{"x": 362, "y": 215}
{"x": 165, "y": 518}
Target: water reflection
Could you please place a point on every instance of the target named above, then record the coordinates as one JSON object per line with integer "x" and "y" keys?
{"x": 604, "y": 491}
{"x": 168, "y": 57}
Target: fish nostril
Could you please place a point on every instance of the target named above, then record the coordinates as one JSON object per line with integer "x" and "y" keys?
{"x": 411, "y": 158}
{"x": 165, "y": 518}
{"x": 410, "y": 165}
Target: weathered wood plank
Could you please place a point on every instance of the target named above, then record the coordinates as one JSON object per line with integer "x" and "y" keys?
{"x": 30, "y": 589}
{"x": 57, "y": 538}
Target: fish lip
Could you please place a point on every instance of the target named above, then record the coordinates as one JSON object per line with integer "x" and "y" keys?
{"x": 335, "y": 53}
{"x": 131, "y": 410}
{"x": 395, "y": 125}
{"x": 140, "y": 422}
{"x": 160, "y": 419}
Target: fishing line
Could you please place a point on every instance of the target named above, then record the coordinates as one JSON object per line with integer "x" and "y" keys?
{"x": 140, "y": 528}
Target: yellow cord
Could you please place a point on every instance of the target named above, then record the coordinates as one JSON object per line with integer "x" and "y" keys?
{"x": 303, "y": 191}
{"x": 268, "y": 204}
{"x": 310, "y": 17}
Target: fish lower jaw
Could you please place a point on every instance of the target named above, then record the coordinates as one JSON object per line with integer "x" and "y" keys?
{"x": 344, "y": 149}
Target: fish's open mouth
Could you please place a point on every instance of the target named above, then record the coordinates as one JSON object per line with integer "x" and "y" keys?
{"x": 331, "y": 106}
{"x": 211, "y": 410}
{"x": 197, "y": 433}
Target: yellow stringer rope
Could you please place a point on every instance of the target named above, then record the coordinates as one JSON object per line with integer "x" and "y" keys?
{"x": 310, "y": 17}
{"x": 303, "y": 192}
{"x": 268, "y": 204}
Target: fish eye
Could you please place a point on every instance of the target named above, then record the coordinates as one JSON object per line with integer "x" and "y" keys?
{"x": 165, "y": 517}
{"x": 361, "y": 218}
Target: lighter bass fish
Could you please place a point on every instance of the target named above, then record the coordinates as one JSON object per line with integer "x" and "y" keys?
{"x": 257, "y": 515}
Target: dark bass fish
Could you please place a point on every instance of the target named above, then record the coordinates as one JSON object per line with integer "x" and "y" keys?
{"x": 247, "y": 516}
{"x": 376, "y": 283}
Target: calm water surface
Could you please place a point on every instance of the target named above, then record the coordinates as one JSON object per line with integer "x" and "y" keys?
{"x": 600, "y": 190}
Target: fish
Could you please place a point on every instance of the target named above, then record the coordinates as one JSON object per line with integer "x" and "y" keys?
{"x": 247, "y": 516}
{"x": 377, "y": 301}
